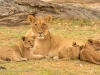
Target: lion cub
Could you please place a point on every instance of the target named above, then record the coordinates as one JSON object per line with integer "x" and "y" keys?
{"x": 70, "y": 52}
{"x": 94, "y": 43}
{"x": 21, "y": 51}
{"x": 90, "y": 52}
{"x": 67, "y": 52}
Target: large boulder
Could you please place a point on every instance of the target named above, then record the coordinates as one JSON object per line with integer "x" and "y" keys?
{"x": 73, "y": 1}
{"x": 15, "y": 12}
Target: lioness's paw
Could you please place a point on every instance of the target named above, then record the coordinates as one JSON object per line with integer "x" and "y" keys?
{"x": 23, "y": 59}
{"x": 38, "y": 57}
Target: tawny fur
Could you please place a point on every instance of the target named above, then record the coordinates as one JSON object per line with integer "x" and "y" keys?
{"x": 70, "y": 52}
{"x": 89, "y": 52}
{"x": 94, "y": 43}
{"x": 46, "y": 44}
{"x": 19, "y": 52}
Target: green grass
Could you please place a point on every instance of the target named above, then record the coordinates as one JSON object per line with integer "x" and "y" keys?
{"x": 74, "y": 29}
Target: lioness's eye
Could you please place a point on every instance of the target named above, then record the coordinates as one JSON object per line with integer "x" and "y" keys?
{"x": 28, "y": 41}
{"x": 35, "y": 24}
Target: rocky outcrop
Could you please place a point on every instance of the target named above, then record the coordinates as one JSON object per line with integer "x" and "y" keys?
{"x": 11, "y": 13}
{"x": 15, "y": 12}
{"x": 73, "y": 1}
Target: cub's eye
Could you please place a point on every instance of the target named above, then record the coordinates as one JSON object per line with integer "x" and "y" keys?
{"x": 28, "y": 41}
{"x": 44, "y": 25}
{"x": 35, "y": 24}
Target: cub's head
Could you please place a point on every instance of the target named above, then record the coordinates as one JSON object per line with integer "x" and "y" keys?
{"x": 75, "y": 45}
{"x": 93, "y": 43}
{"x": 40, "y": 25}
{"x": 28, "y": 42}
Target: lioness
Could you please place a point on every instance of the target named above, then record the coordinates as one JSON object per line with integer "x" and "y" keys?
{"x": 89, "y": 52}
{"x": 46, "y": 44}
{"x": 19, "y": 52}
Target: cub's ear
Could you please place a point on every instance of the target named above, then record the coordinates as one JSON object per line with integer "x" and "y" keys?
{"x": 23, "y": 38}
{"x": 48, "y": 18}
{"x": 90, "y": 40}
{"x": 74, "y": 43}
{"x": 82, "y": 46}
{"x": 31, "y": 18}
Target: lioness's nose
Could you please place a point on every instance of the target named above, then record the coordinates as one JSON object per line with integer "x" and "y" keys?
{"x": 40, "y": 32}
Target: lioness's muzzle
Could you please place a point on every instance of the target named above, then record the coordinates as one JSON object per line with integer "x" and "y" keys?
{"x": 40, "y": 33}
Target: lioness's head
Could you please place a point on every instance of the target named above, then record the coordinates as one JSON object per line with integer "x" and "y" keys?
{"x": 28, "y": 42}
{"x": 93, "y": 43}
{"x": 40, "y": 25}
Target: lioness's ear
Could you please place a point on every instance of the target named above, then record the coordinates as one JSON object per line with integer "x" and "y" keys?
{"x": 23, "y": 38}
{"x": 31, "y": 18}
{"x": 90, "y": 40}
{"x": 48, "y": 18}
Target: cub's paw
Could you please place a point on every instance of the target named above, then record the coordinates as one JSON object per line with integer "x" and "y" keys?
{"x": 56, "y": 57}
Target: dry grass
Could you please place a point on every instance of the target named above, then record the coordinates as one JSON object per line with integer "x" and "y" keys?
{"x": 74, "y": 29}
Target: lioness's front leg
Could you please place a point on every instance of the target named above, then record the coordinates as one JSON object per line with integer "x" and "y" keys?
{"x": 37, "y": 57}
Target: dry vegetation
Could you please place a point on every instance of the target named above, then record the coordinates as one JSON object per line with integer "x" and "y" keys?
{"x": 74, "y": 29}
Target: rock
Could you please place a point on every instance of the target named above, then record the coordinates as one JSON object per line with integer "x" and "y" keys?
{"x": 73, "y": 1}
{"x": 15, "y": 12}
